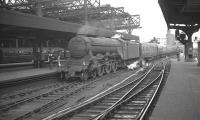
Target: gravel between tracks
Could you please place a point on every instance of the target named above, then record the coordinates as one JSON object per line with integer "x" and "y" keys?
{"x": 101, "y": 84}
{"x": 92, "y": 90}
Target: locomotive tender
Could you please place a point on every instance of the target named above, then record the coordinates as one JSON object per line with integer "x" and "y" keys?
{"x": 91, "y": 57}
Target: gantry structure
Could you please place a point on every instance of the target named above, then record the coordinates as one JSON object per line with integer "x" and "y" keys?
{"x": 77, "y": 11}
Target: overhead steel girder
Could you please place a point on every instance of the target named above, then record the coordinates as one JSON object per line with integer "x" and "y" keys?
{"x": 128, "y": 24}
{"x": 70, "y": 4}
{"x": 108, "y": 13}
{"x": 104, "y": 14}
{"x": 65, "y": 8}
{"x": 96, "y": 13}
{"x": 73, "y": 10}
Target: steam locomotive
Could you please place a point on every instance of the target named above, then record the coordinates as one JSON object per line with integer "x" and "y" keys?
{"x": 91, "y": 57}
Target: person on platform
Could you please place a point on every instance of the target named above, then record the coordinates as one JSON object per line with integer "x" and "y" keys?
{"x": 59, "y": 62}
{"x": 190, "y": 53}
{"x": 50, "y": 59}
{"x": 42, "y": 59}
{"x": 178, "y": 54}
{"x": 1, "y": 56}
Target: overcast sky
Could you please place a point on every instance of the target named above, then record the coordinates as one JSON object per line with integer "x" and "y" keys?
{"x": 151, "y": 18}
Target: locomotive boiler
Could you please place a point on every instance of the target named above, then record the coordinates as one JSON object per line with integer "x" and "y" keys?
{"x": 80, "y": 46}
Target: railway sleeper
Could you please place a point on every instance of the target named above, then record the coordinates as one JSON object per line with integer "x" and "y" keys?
{"x": 126, "y": 112}
{"x": 106, "y": 103}
{"x": 81, "y": 118}
{"x": 112, "y": 98}
{"x": 102, "y": 107}
{"x": 122, "y": 116}
{"x": 135, "y": 104}
{"x": 122, "y": 91}
{"x": 139, "y": 102}
{"x": 117, "y": 95}
{"x": 145, "y": 96}
{"x": 94, "y": 110}
{"x": 109, "y": 101}
{"x": 131, "y": 107}
{"x": 91, "y": 114}
{"x": 120, "y": 119}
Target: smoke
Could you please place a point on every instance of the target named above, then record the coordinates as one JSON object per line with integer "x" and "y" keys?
{"x": 95, "y": 29}
{"x": 116, "y": 36}
{"x": 91, "y": 28}
{"x": 86, "y": 30}
{"x": 133, "y": 66}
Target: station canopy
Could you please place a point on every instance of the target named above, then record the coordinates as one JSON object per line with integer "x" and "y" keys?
{"x": 181, "y": 14}
{"x": 77, "y": 11}
{"x": 103, "y": 18}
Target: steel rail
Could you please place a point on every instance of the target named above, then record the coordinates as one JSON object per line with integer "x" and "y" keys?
{"x": 155, "y": 93}
{"x": 64, "y": 111}
{"x": 142, "y": 113}
{"x": 103, "y": 115}
{"x": 50, "y": 97}
{"x": 31, "y": 98}
{"x": 57, "y": 94}
{"x": 94, "y": 100}
{"x": 126, "y": 96}
{"x": 22, "y": 94}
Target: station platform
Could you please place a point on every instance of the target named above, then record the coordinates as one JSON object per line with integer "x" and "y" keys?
{"x": 180, "y": 97}
{"x": 10, "y": 76}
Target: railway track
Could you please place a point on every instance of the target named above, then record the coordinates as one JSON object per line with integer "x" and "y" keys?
{"x": 21, "y": 94}
{"x": 101, "y": 105}
{"x": 10, "y": 101}
{"x": 41, "y": 99}
{"x": 135, "y": 107}
{"x": 28, "y": 79}
{"x": 38, "y": 102}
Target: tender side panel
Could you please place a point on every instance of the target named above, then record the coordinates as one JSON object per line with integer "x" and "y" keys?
{"x": 132, "y": 50}
{"x": 149, "y": 50}
{"x": 160, "y": 50}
